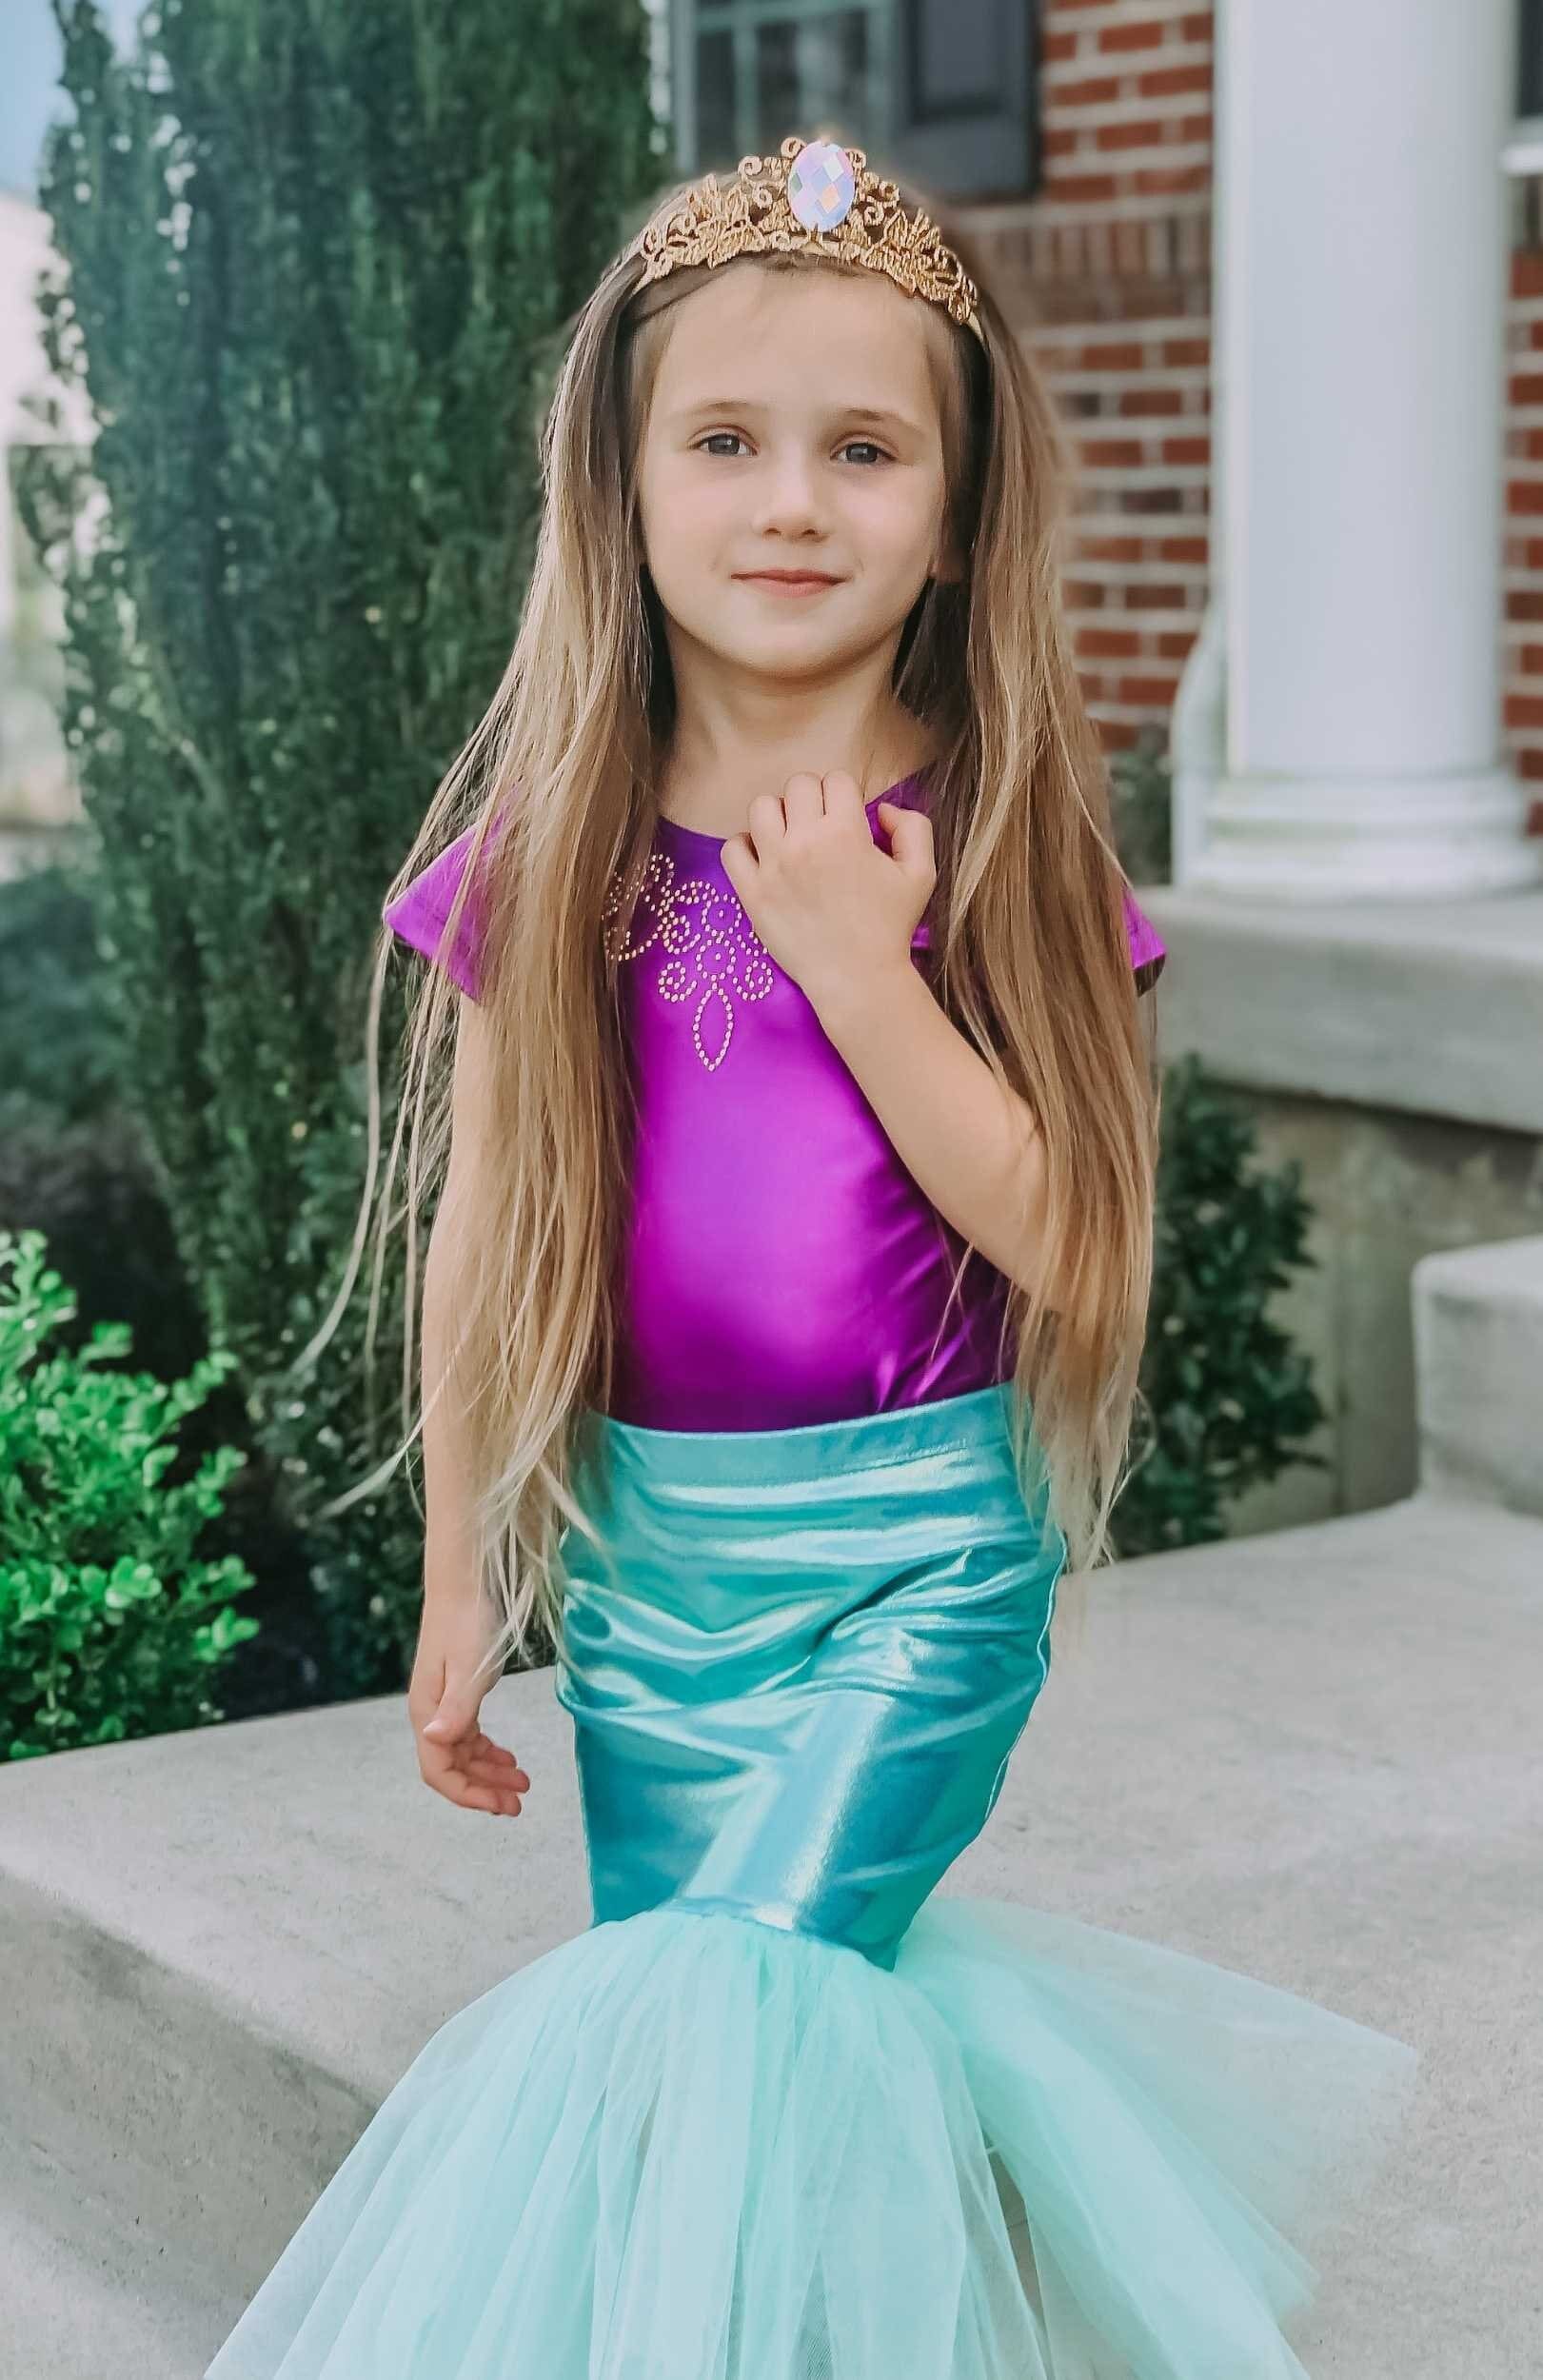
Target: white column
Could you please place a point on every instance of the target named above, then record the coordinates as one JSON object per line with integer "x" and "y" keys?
{"x": 1360, "y": 293}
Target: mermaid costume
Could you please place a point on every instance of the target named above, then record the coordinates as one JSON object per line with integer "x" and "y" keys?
{"x": 783, "y": 2112}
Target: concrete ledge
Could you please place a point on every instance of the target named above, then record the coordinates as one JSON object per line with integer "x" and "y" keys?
{"x": 1433, "y": 1006}
{"x": 1311, "y": 1756}
{"x": 1479, "y": 1343}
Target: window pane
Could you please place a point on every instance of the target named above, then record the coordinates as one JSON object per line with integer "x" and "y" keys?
{"x": 957, "y": 57}
{"x": 809, "y": 70}
{"x": 777, "y": 85}
{"x": 717, "y": 141}
{"x": 1530, "y": 60}
{"x": 834, "y": 55}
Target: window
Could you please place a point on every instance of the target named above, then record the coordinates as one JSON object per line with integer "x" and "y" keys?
{"x": 1523, "y": 154}
{"x": 1530, "y": 60}
{"x": 943, "y": 89}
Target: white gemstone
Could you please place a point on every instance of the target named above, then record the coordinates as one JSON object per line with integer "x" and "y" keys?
{"x": 820, "y": 186}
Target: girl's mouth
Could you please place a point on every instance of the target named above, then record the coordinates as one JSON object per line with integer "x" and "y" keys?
{"x": 789, "y": 586}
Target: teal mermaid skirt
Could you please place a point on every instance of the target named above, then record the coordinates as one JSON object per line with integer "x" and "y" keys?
{"x": 782, "y": 2112}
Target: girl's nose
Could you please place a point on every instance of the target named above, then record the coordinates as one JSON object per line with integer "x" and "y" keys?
{"x": 787, "y": 501}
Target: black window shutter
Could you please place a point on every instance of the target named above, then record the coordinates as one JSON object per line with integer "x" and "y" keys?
{"x": 1530, "y": 59}
{"x": 966, "y": 106}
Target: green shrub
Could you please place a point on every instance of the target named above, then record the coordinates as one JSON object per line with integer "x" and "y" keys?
{"x": 1227, "y": 1399}
{"x": 1141, "y": 798}
{"x": 109, "y": 1626}
{"x": 68, "y": 1063}
{"x": 311, "y": 271}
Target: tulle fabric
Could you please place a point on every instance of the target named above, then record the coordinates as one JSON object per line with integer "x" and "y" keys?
{"x": 687, "y": 2146}
{"x": 784, "y": 2111}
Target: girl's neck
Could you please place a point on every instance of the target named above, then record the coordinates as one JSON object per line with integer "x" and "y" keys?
{"x": 732, "y": 745}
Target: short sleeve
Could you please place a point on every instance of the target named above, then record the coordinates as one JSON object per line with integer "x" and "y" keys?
{"x": 420, "y": 913}
{"x": 1149, "y": 953}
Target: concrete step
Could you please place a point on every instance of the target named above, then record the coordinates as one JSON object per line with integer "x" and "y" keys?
{"x": 1478, "y": 1341}
{"x": 1308, "y": 1755}
{"x": 86, "y": 2292}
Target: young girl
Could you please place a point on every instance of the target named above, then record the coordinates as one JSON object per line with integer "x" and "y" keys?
{"x": 781, "y": 1323}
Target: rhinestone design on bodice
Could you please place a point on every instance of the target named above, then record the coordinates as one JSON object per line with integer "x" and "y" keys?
{"x": 712, "y": 955}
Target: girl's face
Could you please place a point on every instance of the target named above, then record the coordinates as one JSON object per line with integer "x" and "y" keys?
{"x": 793, "y": 427}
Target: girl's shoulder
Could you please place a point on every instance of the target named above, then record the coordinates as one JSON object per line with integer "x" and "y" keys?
{"x": 1149, "y": 952}
{"x": 421, "y": 911}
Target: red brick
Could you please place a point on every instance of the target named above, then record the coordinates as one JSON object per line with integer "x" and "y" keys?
{"x": 1115, "y": 359}
{"x": 1111, "y": 549}
{"x": 1194, "y": 128}
{"x": 1177, "y": 352}
{"x": 1525, "y": 495}
{"x": 1148, "y": 135}
{"x": 1095, "y": 92}
{"x": 1532, "y": 553}
{"x": 1108, "y": 644}
{"x": 1184, "y": 549}
{"x": 1527, "y": 274}
{"x": 1171, "y": 181}
{"x": 1196, "y": 28}
{"x": 1064, "y": 7}
{"x": 1530, "y": 443}
{"x": 1524, "y": 710}
{"x": 1169, "y": 400}
{"x": 1113, "y": 455}
{"x": 1531, "y": 661}
{"x": 1530, "y": 764}
{"x": 1158, "y": 692}
{"x": 1154, "y": 598}
{"x": 1115, "y": 37}
{"x": 1053, "y": 47}
{"x": 1186, "y": 450}
{"x": 1172, "y": 82}
{"x": 1081, "y": 595}
{"x": 1175, "y": 643}
{"x": 1524, "y": 602}
{"x": 1534, "y": 337}
{"x": 1059, "y": 143}
{"x": 1094, "y": 189}
{"x": 1527, "y": 388}
{"x": 1117, "y": 735}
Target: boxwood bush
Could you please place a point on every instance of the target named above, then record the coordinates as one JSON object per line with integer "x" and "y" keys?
{"x": 111, "y": 1625}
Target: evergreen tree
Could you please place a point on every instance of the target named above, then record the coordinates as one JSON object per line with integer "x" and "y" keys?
{"x": 318, "y": 260}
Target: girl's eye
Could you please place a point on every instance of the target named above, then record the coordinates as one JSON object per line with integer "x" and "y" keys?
{"x": 867, "y": 442}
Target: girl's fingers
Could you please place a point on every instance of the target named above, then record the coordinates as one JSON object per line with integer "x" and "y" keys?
{"x": 485, "y": 1753}
{"x": 469, "y": 1796}
{"x": 498, "y": 1780}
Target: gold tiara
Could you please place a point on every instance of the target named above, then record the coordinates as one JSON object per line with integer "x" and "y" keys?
{"x": 814, "y": 198}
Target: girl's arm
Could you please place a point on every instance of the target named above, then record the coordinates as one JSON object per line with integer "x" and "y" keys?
{"x": 455, "y": 1756}
{"x": 976, "y": 1149}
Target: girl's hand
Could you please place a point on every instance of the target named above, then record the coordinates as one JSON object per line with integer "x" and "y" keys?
{"x": 834, "y": 910}
{"x": 443, "y": 1698}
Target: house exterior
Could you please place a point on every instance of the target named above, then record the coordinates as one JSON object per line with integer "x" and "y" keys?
{"x": 1285, "y": 264}
{"x": 1081, "y": 137}
{"x": 1284, "y": 259}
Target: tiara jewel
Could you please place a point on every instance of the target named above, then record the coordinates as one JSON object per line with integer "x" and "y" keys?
{"x": 814, "y": 197}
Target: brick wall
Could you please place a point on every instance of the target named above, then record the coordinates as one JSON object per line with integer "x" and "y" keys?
{"x": 1108, "y": 270}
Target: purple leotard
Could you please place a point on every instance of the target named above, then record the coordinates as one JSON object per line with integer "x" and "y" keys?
{"x": 780, "y": 1266}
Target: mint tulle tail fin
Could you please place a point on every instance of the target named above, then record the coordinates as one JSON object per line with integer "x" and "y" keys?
{"x": 1179, "y": 2134}
{"x": 691, "y": 2146}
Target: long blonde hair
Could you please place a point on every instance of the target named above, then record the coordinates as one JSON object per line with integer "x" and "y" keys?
{"x": 1031, "y": 957}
